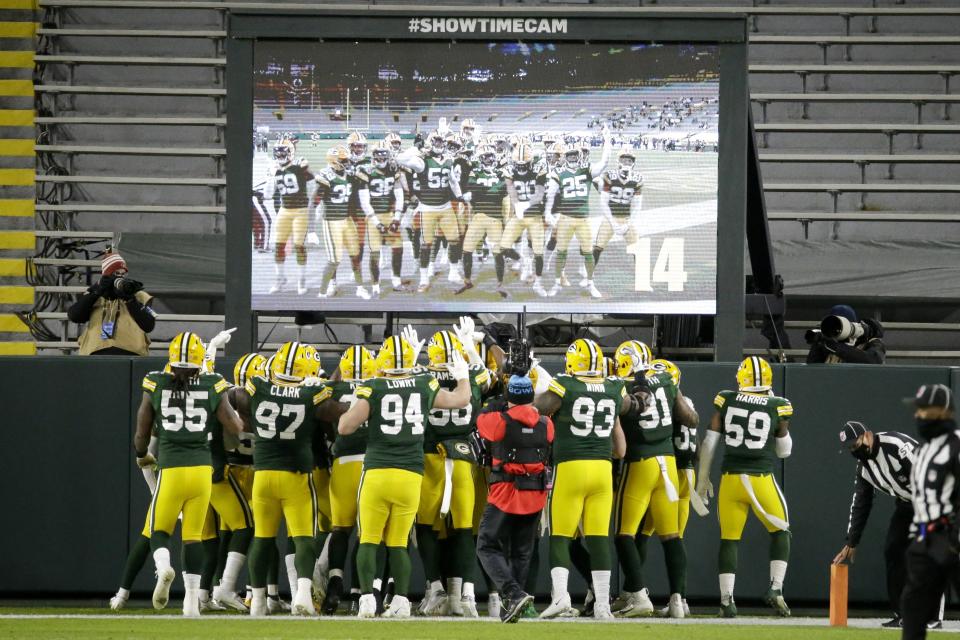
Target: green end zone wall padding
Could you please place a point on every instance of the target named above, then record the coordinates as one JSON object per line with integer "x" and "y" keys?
{"x": 76, "y": 500}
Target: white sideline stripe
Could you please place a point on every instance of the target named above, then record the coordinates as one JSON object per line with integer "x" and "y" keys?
{"x": 743, "y": 621}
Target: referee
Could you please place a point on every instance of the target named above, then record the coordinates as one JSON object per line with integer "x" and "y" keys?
{"x": 932, "y": 558}
{"x": 885, "y": 461}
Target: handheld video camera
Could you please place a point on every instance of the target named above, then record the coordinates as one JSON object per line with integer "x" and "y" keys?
{"x": 518, "y": 361}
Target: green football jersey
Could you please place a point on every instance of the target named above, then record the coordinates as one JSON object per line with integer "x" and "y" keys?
{"x": 749, "y": 422}
{"x": 291, "y": 183}
{"x": 435, "y": 180}
{"x": 622, "y": 190}
{"x": 487, "y": 189}
{"x": 381, "y": 183}
{"x": 650, "y": 433}
{"x": 455, "y": 424}
{"x": 335, "y": 191}
{"x": 284, "y": 422}
{"x": 183, "y": 421}
{"x": 398, "y": 410}
{"x": 588, "y": 410}
{"x": 355, "y": 443}
{"x": 243, "y": 454}
{"x": 573, "y": 191}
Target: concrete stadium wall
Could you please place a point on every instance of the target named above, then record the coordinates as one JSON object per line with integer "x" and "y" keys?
{"x": 75, "y": 500}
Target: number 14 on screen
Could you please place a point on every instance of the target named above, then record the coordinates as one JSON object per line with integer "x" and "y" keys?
{"x": 668, "y": 267}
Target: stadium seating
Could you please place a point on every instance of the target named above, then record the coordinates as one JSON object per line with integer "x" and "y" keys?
{"x": 131, "y": 133}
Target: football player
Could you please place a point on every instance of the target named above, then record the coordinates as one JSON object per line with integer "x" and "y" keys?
{"x": 487, "y": 188}
{"x": 586, "y": 409}
{"x": 449, "y": 467}
{"x": 290, "y": 181}
{"x": 432, "y": 172}
{"x": 357, "y": 144}
{"x": 335, "y": 187}
{"x": 568, "y": 195}
{"x": 395, "y": 408}
{"x": 469, "y": 133}
{"x": 649, "y": 481}
{"x": 620, "y": 201}
{"x": 685, "y": 451}
{"x": 755, "y": 426}
{"x": 186, "y": 397}
{"x": 283, "y": 412}
{"x": 381, "y": 197}
{"x": 394, "y": 141}
{"x": 525, "y": 187}
{"x": 357, "y": 365}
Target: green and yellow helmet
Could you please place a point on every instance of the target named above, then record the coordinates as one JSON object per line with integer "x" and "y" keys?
{"x": 247, "y": 367}
{"x": 295, "y": 361}
{"x": 632, "y": 356}
{"x": 440, "y": 349}
{"x": 357, "y": 363}
{"x": 187, "y": 351}
{"x": 755, "y": 374}
{"x": 584, "y": 358}
{"x": 396, "y": 356}
{"x": 661, "y": 365}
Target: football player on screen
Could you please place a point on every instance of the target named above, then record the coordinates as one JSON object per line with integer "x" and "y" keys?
{"x": 568, "y": 210}
{"x": 525, "y": 186}
{"x": 290, "y": 181}
{"x": 487, "y": 188}
{"x": 381, "y": 198}
{"x": 620, "y": 202}
{"x": 433, "y": 174}
{"x": 335, "y": 187}
{"x": 755, "y": 427}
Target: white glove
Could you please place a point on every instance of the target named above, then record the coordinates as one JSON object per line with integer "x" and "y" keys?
{"x": 621, "y": 230}
{"x": 467, "y": 336}
{"x": 442, "y": 127}
{"x": 220, "y": 339}
{"x": 312, "y": 381}
{"x": 520, "y": 209}
{"x": 147, "y": 461}
{"x": 704, "y": 489}
{"x": 313, "y": 239}
{"x": 410, "y": 335}
{"x": 458, "y": 367}
{"x": 467, "y": 197}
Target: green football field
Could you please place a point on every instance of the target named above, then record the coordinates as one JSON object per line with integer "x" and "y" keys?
{"x": 140, "y": 623}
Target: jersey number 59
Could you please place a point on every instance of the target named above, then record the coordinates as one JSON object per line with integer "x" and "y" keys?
{"x": 757, "y": 428}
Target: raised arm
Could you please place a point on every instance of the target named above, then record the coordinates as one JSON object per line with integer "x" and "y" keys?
{"x": 411, "y": 159}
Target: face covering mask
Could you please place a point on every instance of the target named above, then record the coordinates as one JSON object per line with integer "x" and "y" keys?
{"x": 929, "y": 429}
{"x": 862, "y": 453}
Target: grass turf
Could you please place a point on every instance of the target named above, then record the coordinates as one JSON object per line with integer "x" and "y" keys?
{"x": 169, "y": 625}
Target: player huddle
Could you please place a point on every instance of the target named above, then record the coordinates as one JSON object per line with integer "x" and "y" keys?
{"x": 456, "y": 198}
{"x": 388, "y": 447}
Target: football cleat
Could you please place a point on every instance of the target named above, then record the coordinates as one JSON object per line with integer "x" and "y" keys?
{"x": 513, "y": 609}
{"x": 686, "y": 608}
{"x": 467, "y": 285}
{"x": 117, "y": 602}
{"x": 638, "y": 604}
{"x": 302, "y": 604}
{"x": 619, "y": 602}
{"x": 277, "y": 286}
{"x": 774, "y": 598}
{"x": 538, "y": 288}
{"x": 362, "y": 293}
{"x": 728, "y": 610}
{"x": 229, "y": 599}
{"x": 375, "y": 291}
{"x": 675, "y": 607}
{"x": 494, "y": 605}
{"x": 161, "y": 592}
{"x": 588, "y": 604}
{"x": 893, "y": 623}
{"x": 259, "y": 607}
{"x": 558, "y": 607}
{"x": 503, "y": 292}
{"x": 601, "y": 611}
{"x": 468, "y": 607}
{"x": 555, "y": 289}
{"x": 399, "y": 608}
{"x": 301, "y": 286}
{"x": 367, "y": 606}
{"x": 331, "y": 603}
{"x": 594, "y": 292}
{"x": 564, "y": 281}
{"x": 424, "y": 287}
{"x": 211, "y": 604}
{"x": 276, "y": 605}
{"x": 454, "y": 275}
{"x": 435, "y": 602}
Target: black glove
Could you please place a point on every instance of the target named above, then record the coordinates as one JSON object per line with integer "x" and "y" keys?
{"x": 640, "y": 383}
{"x": 382, "y": 228}
{"x": 394, "y": 226}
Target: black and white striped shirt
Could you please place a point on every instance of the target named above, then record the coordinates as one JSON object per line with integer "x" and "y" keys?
{"x": 889, "y": 472}
{"x": 936, "y": 478}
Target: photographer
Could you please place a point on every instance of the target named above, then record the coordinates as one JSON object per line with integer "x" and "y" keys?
{"x": 117, "y": 312}
{"x": 842, "y": 338}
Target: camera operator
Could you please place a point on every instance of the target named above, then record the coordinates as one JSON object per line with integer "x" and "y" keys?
{"x": 933, "y": 563}
{"x": 518, "y": 439}
{"x": 117, "y": 312}
{"x": 842, "y": 338}
{"x": 884, "y": 463}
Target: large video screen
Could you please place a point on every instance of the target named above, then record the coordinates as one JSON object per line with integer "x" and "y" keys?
{"x": 559, "y": 177}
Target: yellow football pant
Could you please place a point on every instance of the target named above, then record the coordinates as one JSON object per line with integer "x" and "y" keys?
{"x": 579, "y": 228}
{"x": 533, "y": 224}
{"x": 232, "y": 507}
{"x": 286, "y": 494}
{"x": 243, "y": 476}
{"x": 688, "y": 480}
{"x": 445, "y": 220}
{"x": 181, "y": 489}
{"x": 321, "y": 486}
{"x": 291, "y": 223}
{"x": 388, "y": 505}
{"x": 480, "y": 492}
{"x": 582, "y": 490}
{"x": 377, "y": 239}
{"x": 462, "y": 499}
{"x": 606, "y": 232}
{"x": 344, "y": 485}
{"x": 483, "y": 226}
{"x": 643, "y": 486}
{"x": 739, "y": 493}
{"x": 340, "y": 236}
